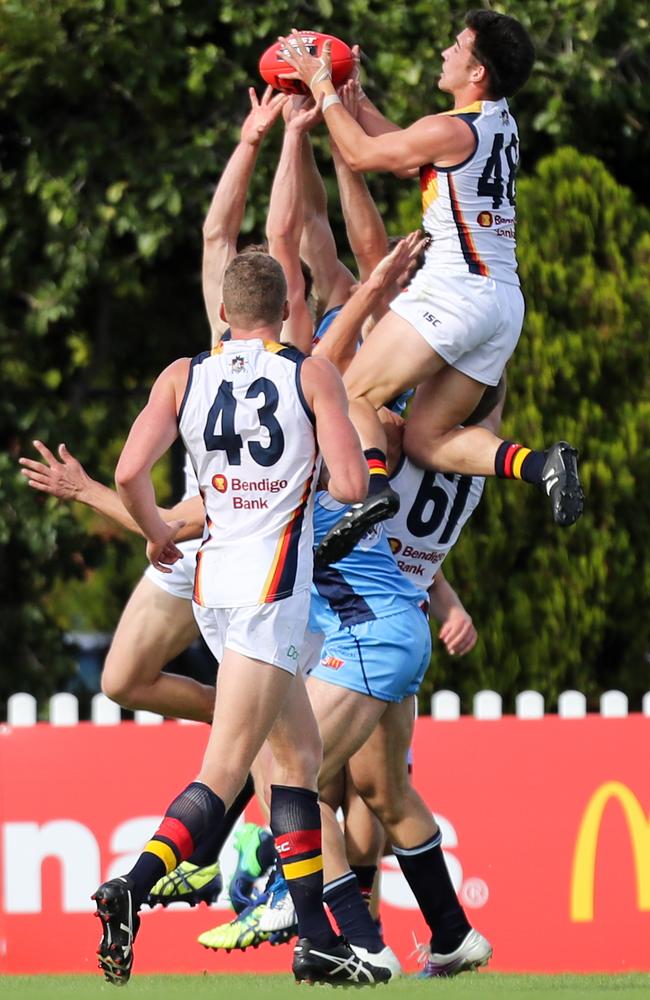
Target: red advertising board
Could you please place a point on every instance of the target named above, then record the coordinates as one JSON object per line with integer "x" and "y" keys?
{"x": 545, "y": 828}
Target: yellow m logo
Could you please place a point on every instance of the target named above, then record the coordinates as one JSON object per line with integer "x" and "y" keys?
{"x": 584, "y": 858}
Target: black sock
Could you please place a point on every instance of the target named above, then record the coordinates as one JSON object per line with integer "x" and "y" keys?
{"x": 348, "y": 908}
{"x": 295, "y": 822}
{"x": 187, "y": 830}
{"x": 378, "y": 479}
{"x": 266, "y": 853}
{"x": 231, "y": 817}
{"x": 425, "y": 871}
{"x": 366, "y": 879}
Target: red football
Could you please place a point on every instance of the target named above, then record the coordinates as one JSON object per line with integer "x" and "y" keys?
{"x": 272, "y": 63}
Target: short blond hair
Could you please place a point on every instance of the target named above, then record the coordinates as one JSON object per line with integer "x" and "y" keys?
{"x": 254, "y": 290}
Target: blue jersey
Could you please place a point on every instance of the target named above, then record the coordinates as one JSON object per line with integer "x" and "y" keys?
{"x": 366, "y": 585}
{"x": 324, "y": 324}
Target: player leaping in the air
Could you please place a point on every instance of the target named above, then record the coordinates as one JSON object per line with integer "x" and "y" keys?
{"x": 453, "y": 330}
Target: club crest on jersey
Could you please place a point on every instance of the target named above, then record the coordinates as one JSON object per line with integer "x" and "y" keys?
{"x": 332, "y": 662}
{"x": 395, "y": 545}
{"x": 220, "y": 483}
{"x": 485, "y": 219}
{"x": 237, "y": 364}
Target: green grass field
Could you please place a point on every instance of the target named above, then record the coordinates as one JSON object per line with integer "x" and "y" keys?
{"x": 484, "y": 986}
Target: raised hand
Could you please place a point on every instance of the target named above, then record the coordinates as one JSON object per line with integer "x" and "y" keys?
{"x": 262, "y": 116}
{"x": 312, "y": 70}
{"x": 301, "y": 113}
{"x": 398, "y": 262}
{"x": 66, "y": 479}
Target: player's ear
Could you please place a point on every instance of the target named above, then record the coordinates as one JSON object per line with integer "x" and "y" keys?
{"x": 478, "y": 73}
{"x": 222, "y": 313}
{"x": 285, "y": 311}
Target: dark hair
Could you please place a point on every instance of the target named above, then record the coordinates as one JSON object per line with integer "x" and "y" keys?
{"x": 419, "y": 260}
{"x": 504, "y": 47}
{"x": 254, "y": 290}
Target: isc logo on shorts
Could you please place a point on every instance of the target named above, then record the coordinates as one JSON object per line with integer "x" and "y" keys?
{"x": 333, "y": 662}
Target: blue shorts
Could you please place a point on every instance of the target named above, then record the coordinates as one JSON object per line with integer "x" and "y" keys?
{"x": 385, "y": 658}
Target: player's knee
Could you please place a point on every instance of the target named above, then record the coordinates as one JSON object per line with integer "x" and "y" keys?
{"x": 388, "y": 806}
{"x": 388, "y": 809}
{"x": 301, "y": 768}
{"x": 120, "y": 688}
{"x": 415, "y": 445}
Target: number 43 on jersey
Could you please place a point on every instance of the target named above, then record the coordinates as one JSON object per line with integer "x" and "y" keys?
{"x": 224, "y": 409}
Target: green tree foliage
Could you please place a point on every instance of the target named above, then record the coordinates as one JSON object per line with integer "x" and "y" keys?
{"x": 115, "y": 120}
{"x": 559, "y": 608}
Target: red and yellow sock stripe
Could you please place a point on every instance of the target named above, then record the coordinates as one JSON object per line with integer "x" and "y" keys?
{"x": 300, "y": 853}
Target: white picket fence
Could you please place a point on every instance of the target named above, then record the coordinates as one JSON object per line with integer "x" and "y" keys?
{"x": 63, "y": 709}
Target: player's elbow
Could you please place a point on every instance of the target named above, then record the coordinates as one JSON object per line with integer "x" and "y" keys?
{"x": 283, "y": 241}
{"x": 215, "y": 234}
{"x": 356, "y": 162}
{"x": 126, "y": 473}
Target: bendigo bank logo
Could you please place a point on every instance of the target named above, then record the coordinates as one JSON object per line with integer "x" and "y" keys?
{"x": 220, "y": 483}
{"x": 484, "y": 219}
{"x": 584, "y": 858}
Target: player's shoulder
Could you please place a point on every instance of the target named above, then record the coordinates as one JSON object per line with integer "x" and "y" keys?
{"x": 175, "y": 372}
{"x": 318, "y": 372}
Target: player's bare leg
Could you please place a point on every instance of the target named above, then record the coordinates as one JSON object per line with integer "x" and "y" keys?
{"x": 155, "y": 627}
{"x": 345, "y": 720}
{"x": 250, "y": 695}
{"x": 432, "y": 437}
{"x": 380, "y": 774}
{"x": 365, "y": 845}
{"x": 364, "y": 835}
{"x": 342, "y": 890}
{"x": 394, "y": 358}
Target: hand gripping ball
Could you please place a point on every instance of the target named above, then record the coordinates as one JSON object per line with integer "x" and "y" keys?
{"x": 272, "y": 63}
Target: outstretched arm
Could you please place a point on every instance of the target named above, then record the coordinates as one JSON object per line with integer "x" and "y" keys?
{"x": 66, "y": 479}
{"x": 364, "y": 225}
{"x": 226, "y": 212}
{"x": 436, "y": 138}
{"x": 339, "y": 345}
{"x": 285, "y": 220}
{"x": 332, "y": 279}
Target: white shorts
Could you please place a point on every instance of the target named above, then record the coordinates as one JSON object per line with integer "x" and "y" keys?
{"x": 272, "y": 633}
{"x": 180, "y": 582}
{"x": 310, "y": 652}
{"x": 472, "y": 322}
